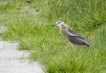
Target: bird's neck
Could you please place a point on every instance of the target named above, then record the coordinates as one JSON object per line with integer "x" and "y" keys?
{"x": 64, "y": 31}
{"x": 64, "y": 26}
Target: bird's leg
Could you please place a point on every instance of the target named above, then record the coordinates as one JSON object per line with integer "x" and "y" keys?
{"x": 75, "y": 47}
{"x": 78, "y": 48}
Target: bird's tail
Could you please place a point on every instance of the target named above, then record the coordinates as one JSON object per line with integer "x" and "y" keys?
{"x": 87, "y": 43}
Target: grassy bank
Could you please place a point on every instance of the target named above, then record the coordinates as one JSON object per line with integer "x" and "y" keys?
{"x": 30, "y": 24}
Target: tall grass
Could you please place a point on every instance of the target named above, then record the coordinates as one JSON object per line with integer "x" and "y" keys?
{"x": 77, "y": 13}
{"x": 31, "y": 26}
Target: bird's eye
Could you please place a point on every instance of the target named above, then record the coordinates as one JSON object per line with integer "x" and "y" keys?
{"x": 59, "y": 22}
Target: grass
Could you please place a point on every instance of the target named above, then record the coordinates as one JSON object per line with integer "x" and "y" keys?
{"x": 30, "y": 24}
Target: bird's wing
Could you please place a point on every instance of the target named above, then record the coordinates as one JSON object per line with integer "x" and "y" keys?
{"x": 72, "y": 34}
{"x": 75, "y": 34}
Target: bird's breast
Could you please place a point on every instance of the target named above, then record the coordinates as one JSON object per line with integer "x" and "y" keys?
{"x": 64, "y": 32}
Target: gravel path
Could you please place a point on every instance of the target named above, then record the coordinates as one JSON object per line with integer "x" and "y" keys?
{"x": 10, "y": 60}
{"x": 15, "y": 61}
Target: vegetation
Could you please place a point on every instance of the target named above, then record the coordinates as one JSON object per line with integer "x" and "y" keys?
{"x": 30, "y": 24}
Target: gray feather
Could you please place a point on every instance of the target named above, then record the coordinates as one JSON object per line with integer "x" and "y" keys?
{"x": 80, "y": 40}
{"x": 73, "y": 32}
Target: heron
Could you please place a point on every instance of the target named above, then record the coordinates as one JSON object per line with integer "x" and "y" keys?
{"x": 72, "y": 36}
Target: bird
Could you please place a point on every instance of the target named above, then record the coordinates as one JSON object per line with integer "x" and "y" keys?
{"x": 73, "y": 37}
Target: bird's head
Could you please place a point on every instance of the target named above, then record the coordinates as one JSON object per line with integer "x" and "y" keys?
{"x": 59, "y": 23}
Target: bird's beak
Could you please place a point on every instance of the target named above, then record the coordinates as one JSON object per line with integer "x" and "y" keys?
{"x": 54, "y": 24}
